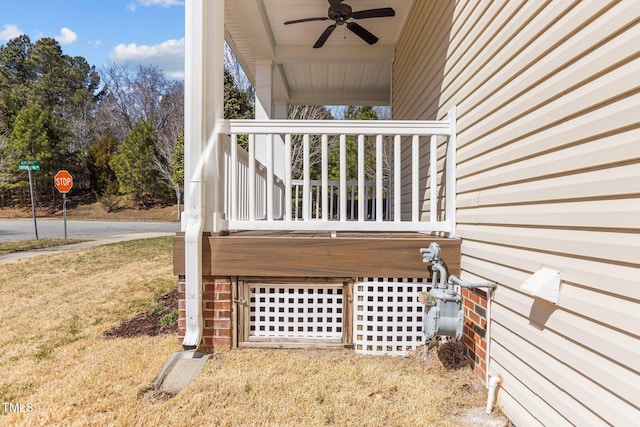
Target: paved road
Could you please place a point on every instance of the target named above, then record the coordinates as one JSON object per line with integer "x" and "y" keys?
{"x": 23, "y": 229}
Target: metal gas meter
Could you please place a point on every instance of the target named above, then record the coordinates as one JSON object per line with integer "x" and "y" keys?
{"x": 443, "y": 313}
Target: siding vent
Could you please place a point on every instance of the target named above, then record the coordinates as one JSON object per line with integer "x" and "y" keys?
{"x": 545, "y": 284}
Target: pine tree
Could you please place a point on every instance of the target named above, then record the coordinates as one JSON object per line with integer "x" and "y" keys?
{"x": 132, "y": 166}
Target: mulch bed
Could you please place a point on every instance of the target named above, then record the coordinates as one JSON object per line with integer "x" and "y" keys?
{"x": 149, "y": 323}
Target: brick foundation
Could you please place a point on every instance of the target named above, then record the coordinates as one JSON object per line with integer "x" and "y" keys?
{"x": 475, "y": 327}
{"x": 216, "y": 313}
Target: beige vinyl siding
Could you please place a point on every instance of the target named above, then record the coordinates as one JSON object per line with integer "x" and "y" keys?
{"x": 548, "y": 104}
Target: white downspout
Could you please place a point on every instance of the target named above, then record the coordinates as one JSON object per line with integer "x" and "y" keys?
{"x": 195, "y": 219}
{"x": 491, "y": 396}
{"x": 193, "y": 263}
{"x": 204, "y": 86}
{"x": 487, "y": 335}
{"x": 451, "y": 172}
{"x": 491, "y": 382}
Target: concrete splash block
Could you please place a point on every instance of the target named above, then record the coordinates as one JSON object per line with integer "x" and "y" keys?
{"x": 179, "y": 371}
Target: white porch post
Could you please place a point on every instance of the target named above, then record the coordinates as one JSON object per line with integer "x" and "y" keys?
{"x": 267, "y": 109}
{"x": 264, "y": 83}
{"x": 264, "y": 105}
{"x": 269, "y": 150}
{"x": 204, "y": 86}
{"x": 280, "y": 111}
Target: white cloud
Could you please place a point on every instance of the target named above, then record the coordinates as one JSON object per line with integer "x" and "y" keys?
{"x": 169, "y": 56}
{"x": 66, "y": 36}
{"x": 9, "y": 32}
{"x": 162, "y": 3}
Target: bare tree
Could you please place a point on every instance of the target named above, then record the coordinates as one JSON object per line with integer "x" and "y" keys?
{"x": 147, "y": 95}
{"x": 306, "y": 112}
{"x": 232, "y": 65}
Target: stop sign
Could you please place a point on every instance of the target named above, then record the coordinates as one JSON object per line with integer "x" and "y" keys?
{"x": 63, "y": 181}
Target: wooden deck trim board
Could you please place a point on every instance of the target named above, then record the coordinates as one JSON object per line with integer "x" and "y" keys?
{"x": 386, "y": 255}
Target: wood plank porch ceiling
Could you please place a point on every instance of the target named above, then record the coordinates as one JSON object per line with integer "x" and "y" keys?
{"x": 346, "y": 71}
{"x": 318, "y": 254}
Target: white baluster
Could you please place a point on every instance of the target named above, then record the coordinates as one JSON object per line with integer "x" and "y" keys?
{"x": 362, "y": 192}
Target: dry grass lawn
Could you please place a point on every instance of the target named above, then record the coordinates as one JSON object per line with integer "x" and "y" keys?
{"x": 58, "y": 368}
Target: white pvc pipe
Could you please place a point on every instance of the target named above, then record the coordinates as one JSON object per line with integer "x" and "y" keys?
{"x": 487, "y": 335}
{"x": 491, "y": 396}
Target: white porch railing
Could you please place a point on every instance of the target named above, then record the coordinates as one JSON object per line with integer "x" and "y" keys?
{"x": 410, "y": 188}
{"x": 334, "y": 200}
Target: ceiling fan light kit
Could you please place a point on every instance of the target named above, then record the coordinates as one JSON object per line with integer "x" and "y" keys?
{"x": 340, "y": 13}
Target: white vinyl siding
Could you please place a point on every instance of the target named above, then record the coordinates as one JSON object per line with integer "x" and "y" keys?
{"x": 548, "y": 105}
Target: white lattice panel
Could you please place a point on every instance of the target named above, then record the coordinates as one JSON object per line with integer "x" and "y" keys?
{"x": 387, "y": 317}
{"x": 285, "y": 311}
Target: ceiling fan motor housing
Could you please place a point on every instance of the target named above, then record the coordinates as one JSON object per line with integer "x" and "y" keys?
{"x": 340, "y": 18}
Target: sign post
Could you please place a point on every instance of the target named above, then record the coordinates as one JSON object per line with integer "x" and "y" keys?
{"x": 63, "y": 182}
{"x": 29, "y": 165}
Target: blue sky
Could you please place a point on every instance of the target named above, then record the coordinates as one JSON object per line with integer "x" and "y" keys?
{"x": 105, "y": 32}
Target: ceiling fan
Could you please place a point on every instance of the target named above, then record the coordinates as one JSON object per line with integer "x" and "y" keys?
{"x": 341, "y": 13}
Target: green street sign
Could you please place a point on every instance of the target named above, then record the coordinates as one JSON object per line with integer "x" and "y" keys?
{"x": 26, "y": 165}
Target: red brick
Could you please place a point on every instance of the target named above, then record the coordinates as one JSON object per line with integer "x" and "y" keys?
{"x": 474, "y": 317}
{"x": 468, "y": 341}
{"x": 483, "y": 365}
{"x": 477, "y": 340}
{"x": 222, "y": 286}
{"x": 222, "y": 324}
{"x": 222, "y": 333}
{"x": 480, "y": 373}
{"x": 474, "y": 297}
{"x": 223, "y": 305}
{"x": 480, "y": 351}
{"x": 222, "y": 314}
{"x": 223, "y": 296}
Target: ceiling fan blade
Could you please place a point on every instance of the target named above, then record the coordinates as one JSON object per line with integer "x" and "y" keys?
{"x": 362, "y": 33}
{"x": 324, "y": 36}
{"x": 297, "y": 21}
{"x": 374, "y": 13}
{"x": 336, "y": 5}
